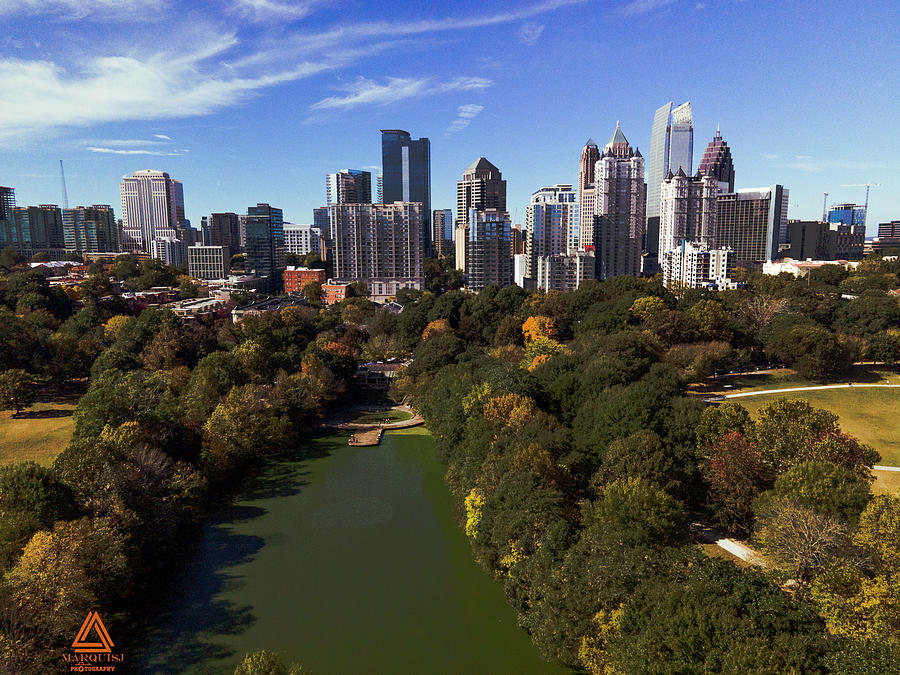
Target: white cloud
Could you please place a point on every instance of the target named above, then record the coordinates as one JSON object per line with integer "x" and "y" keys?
{"x": 162, "y": 136}
{"x": 369, "y": 92}
{"x": 530, "y": 33}
{"x": 117, "y": 88}
{"x": 267, "y": 10}
{"x": 464, "y": 116}
{"x": 119, "y": 151}
{"x": 79, "y": 9}
{"x": 633, "y": 7}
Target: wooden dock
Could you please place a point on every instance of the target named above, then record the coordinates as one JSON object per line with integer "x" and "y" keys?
{"x": 366, "y": 437}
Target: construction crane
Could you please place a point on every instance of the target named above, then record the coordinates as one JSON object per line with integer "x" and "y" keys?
{"x": 867, "y": 186}
{"x": 65, "y": 193}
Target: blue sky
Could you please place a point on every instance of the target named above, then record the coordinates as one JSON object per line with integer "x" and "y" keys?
{"x": 256, "y": 100}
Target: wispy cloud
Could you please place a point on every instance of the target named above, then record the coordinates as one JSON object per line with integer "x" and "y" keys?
{"x": 809, "y": 164}
{"x": 369, "y": 92}
{"x": 464, "y": 116}
{"x": 268, "y": 10}
{"x": 634, "y": 7}
{"x": 105, "y": 10}
{"x": 162, "y": 136}
{"x": 530, "y": 33}
{"x": 120, "y": 151}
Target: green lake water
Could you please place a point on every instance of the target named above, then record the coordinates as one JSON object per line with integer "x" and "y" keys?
{"x": 349, "y": 562}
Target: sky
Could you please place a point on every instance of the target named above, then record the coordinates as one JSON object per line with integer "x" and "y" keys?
{"x": 250, "y": 101}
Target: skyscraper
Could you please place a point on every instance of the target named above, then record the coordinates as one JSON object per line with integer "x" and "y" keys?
{"x": 225, "y": 230}
{"x": 442, "y": 231}
{"x": 90, "y": 229}
{"x": 848, "y": 214}
{"x": 265, "y": 243}
{"x": 671, "y": 147}
{"x": 380, "y": 244}
{"x": 687, "y": 210}
{"x": 481, "y": 187}
{"x": 716, "y": 162}
{"x": 406, "y": 167}
{"x": 152, "y": 206}
{"x": 39, "y": 229}
{"x": 619, "y": 199}
{"x": 548, "y": 221}
{"x": 590, "y": 154}
{"x": 488, "y": 258}
{"x": 348, "y": 186}
{"x": 749, "y": 222}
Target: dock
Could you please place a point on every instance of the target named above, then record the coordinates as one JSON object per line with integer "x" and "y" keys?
{"x": 366, "y": 437}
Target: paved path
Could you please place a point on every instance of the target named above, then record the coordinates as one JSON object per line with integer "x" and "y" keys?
{"x": 878, "y": 467}
{"x": 741, "y": 394}
{"x": 712, "y": 535}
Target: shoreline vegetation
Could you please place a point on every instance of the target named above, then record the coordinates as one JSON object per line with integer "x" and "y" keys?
{"x": 574, "y": 454}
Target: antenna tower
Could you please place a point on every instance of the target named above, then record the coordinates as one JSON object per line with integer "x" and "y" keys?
{"x": 65, "y": 193}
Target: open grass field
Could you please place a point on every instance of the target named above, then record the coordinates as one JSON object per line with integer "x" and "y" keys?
{"x": 378, "y": 417}
{"x": 786, "y": 377}
{"x": 886, "y": 482}
{"x": 40, "y": 435}
{"x": 871, "y": 415}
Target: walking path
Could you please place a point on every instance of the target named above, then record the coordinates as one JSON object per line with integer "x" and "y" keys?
{"x": 367, "y": 434}
{"x": 878, "y": 467}
{"x": 815, "y": 388}
{"x": 711, "y": 535}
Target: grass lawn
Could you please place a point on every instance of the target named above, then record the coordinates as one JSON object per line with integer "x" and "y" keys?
{"x": 786, "y": 377}
{"x": 886, "y": 482}
{"x": 381, "y": 416}
{"x": 869, "y": 414}
{"x": 40, "y": 436}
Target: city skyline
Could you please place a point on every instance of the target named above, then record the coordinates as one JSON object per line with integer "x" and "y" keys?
{"x": 326, "y": 116}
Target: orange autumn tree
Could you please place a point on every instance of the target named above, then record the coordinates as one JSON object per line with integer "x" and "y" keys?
{"x": 337, "y": 348}
{"x": 511, "y": 409}
{"x": 437, "y": 327}
{"x": 539, "y": 327}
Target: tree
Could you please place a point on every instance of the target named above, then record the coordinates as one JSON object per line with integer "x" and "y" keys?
{"x": 536, "y": 327}
{"x": 264, "y": 662}
{"x": 885, "y": 347}
{"x": 735, "y": 473}
{"x": 437, "y": 327}
{"x": 785, "y": 427}
{"x": 645, "y": 308}
{"x": 29, "y": 487}
{"x": 831, "y": 490}
{"x": 718, "y": 420}
{"x": 712, "y": 320}
{"x": 879, "y": 531}
{"x": 15, "y": 390}
{"x": 634, "y": 512}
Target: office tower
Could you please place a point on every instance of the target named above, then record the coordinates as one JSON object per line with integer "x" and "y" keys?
{"x": 817, "y": 240}
{"x": 517, "y": 240}
{"x": 488, "y": 259}
{"x": 889, "y": 230}
{"x": 548, "y": 221}
{"x": 749, "y": 222}
{"x": 379, "y": 244}
{"x": 225, "y": 230}
{"x": 687, "y": 210}
{"x": 671, "y": 148}
{"x": 590, "y": 154}
{"x": 481, "y": 187}
{"x": 442, "y": 232}
{"x": 848, "y": 214}
{"x": 90, "y": 229}
{"x": 716, "y": 162}
{"x": 564, "y": 272}
{"x": 619, "y": 199}
{"x": 7, "y": 219}
{"x": 406, "y": 167}
{"x": 209, "y": 262}
{"x": 152, "y": 206}
{"x": 302, "y": 239}
{"x": 169, "y": 250}
{"x": 265, "y": 243}
{"x": 39, "y": 229}
{"x": 348, "y": 186}
{"x": 696, "y": 265}
{"x": 242, "y": 220}
{"x": 379, "y": 187}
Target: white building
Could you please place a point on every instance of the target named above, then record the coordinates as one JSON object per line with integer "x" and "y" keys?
{"x": 687, "y": 210}
{"x": 152, "y": 207}
{"x": 696, "y": 265}
{"x": 519, "y": 270}
{"x": 302, "y": 239}
{"x": 170, "y": 250}
{"x": 209, "y": 262}
{"x": 564, "y": 272}
{"x": 551, "y": 220}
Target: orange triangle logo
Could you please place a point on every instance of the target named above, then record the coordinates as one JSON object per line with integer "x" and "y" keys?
{"x": 93, "y": 621}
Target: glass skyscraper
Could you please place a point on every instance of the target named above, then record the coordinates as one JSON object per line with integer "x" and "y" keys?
{"x": 265, "y": 242}
{"x": 671, "y": 147}
{"x": 848, "y": 214}
{"x": 406, "y": 173}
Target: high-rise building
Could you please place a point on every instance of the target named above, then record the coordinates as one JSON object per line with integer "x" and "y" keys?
{"x": 406, "y": 171}
{"x": 815, "y": 240}
{"x": 442, "y": 232}
{"x": 687, "y": 210}
{"x": 152, "y": 206}
{"x": 488, "y": 257}
{"x": 8, "y": 235}
{"x": 749, "y": 222}
{"x": 348, "y": 186}
{"x": 169, "y": 250}
{"x": 619, "y": 199}
{"x": 889, "y": 230}
{"x": 90, "y": 229}
{"x": 379, "y": 187}
{"x": 671, "y": 148}
{"x": 481, "y": 187}
{"x": 696, "y": 265}
{"x": 209, "y": 262}
{"x": 302, "y": 239}
{"x": 265, "y": 243}
{"x": 848, "y": 214}
{"x": 517, "y": 241}
{"x": 590, "y": 154}
{"x": 224, "y": 229}
{"x": 564, "y": 272}
{"x": 716, "y": 162}
{"x": 548, "y": 222}
{"x": 380, "y": 244}
{"x": 39, "y": 229}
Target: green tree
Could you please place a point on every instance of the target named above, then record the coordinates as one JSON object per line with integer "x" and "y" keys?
{"x": 784, "y": 429}
{"x": 826, "y": 488}
{"x": 15, "y": 390}
{"x": 264, "y": 662}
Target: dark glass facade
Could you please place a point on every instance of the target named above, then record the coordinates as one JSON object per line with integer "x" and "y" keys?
{"x": 265, "y": 243}
{"x": 406, "y": 173}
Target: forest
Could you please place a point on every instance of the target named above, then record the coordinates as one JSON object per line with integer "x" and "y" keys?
{"x": 576, "y": 454}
